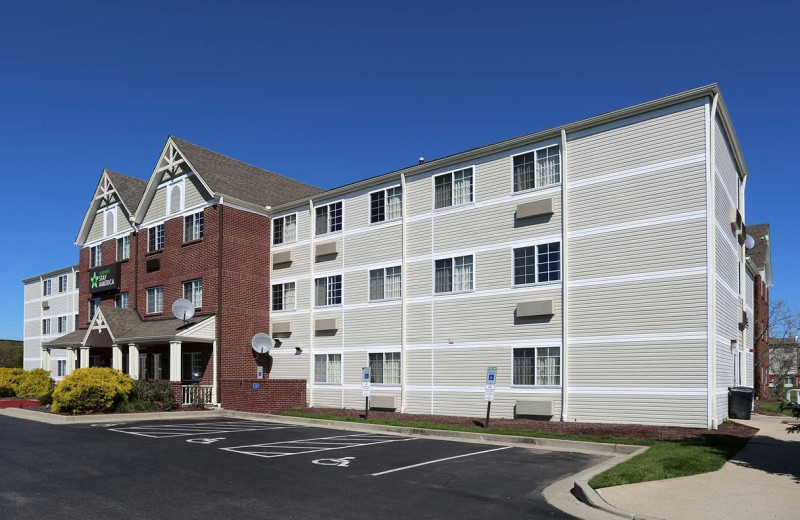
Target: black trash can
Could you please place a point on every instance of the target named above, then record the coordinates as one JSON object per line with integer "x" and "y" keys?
{"x": 740, "y": 402}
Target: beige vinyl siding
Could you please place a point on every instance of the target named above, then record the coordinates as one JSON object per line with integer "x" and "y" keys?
{"x": 96, "y": 229}
{"x": 33, "y": 290}
{"x": 381, "y": 244}
{"x": 419, "y": 278}
{"x": 378, "y": 324}
{"x": 34, "y": 328}
{"x": 158, "y": 206}
{"x": 287, "y": 365}
{"x": 328, "y": 396}
{"x": 418, "y": 401}
{"x": 299, "y": 268}
{"x": 419, "y": 324}
{"x": 33, "y": 309}
{"x": 123, "y": 224}
{"x": 663, "y": 135}
{"x": 640, "y": 409}
{"x": 195, "y": 194}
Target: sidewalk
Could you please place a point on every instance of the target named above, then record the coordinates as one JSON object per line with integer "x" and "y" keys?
{"x": 761, "y": 481}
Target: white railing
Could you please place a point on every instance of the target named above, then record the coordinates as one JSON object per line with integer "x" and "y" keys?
{"x": 197, "y": 394}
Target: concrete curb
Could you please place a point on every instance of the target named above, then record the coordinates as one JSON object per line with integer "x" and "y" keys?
{"x": 49, "y": 418}
{"x": 485, "y": 438}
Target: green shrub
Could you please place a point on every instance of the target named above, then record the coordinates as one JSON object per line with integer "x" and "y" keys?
{"x": 136, "y": 405}
{"x": 9, "y": 381}
{"x": 159, "y": 393}
{"x": 95, "y": 389}
{"x": 35, "y": 383}
{"x": 46, "y": 399}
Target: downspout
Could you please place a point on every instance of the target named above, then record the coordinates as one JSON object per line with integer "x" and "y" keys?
{"x": 564, "y": 278}
{"x": 403, "y": 289}
{"x": 712, "y": 264}
{"x": 743, "y": 348}
{"x": 312, "y": 295}
{"x": 220, "y": 235}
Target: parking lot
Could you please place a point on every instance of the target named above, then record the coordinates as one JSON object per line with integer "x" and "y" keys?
{"x": 226, "y": 468}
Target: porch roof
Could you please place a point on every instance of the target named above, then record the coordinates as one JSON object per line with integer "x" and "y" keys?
{"x": 72, "y": 339}
{"x": 171, "y": 329}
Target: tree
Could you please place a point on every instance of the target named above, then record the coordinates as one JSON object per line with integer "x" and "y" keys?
{"x": 10, "y": 354}
{"x": 781, "y": 333}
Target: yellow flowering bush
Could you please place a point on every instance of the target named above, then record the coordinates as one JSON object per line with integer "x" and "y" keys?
{"x": 94, "y": 389}
{"x": 9, "y": 381}
{"x": 34, "y": 383}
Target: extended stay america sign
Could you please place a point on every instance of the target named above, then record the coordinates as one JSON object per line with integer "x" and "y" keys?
{"x": 103, "y": 279}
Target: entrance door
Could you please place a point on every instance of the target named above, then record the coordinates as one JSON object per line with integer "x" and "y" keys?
{"x": 143, "y": 367}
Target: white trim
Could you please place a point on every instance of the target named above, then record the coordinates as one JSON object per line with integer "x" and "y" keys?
{"x": 640, "y": 170}
{"x": 473, "y": 285}
{"x": 640, "y": 277}
{"x": 433, "y": 176}
{"x": 636, "y": 338}
{"x": 555, "y": 142}
{"x": 622, "y": 226}
{"x": 554, "y": 391}
{"x": 328, "y": 233}
{"x": 535, "y": 265}
{"x": 601, "y": 390}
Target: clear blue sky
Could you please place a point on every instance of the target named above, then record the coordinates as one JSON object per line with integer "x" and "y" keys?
{"x": 333, "y": 92}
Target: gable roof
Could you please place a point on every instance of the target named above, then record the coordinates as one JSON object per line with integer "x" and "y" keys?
{"x": 130, "y": 189}
{"x": 760, "y": 254}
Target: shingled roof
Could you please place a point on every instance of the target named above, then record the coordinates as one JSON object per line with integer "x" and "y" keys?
{"x": 130, "y": 189}
{"x": 227, "y": 176}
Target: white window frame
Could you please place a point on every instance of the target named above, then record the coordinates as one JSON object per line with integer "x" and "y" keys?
{"x": 385, "y": 192}
{"x": 46, "y": 327}
{"x": 282, "y": 219}
{"x": 125, "y": 254}
{"x": 93, "y": 303}
{"x": 62, "y": 329}
{"x": 283, "y": 296}
{"x": 328, "y": 368}
{"x": 47, "y": 287}
{"x": 105, "y": 212}
{"x": 61, "y": 367}
{"x": 63, "y": 287}
{"x": 328, "y": 224}
{"x": 172, "y": 184}
{"x": 452, "y": 173}
{"x": 199, "y": 230}
{"x": 327, "y": 279}
{"x": 192, "y": 357}
{"x": 790, "y": 380}
{"x": 452, "y": 275}
{"x": 190, "y": 285}
{"x": 535, "y": 366}
{"x": 96, "y": 256}
{"x": 536, "y": 151}
{"x": 536, "y": 265}
{"x": 118, "y": 299}
{"x": 385, "y": 291}
{"x": 154, "y": 229}
{"x": 383, "y": 355}
{"x": 158, "y": 307}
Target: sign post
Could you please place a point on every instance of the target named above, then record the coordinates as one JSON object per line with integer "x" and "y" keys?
{"x": 491, "y": 379}
{"x": 365, "y": 379}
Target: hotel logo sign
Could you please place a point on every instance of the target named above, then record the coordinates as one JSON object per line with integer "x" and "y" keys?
{"x": 103, "y": 279}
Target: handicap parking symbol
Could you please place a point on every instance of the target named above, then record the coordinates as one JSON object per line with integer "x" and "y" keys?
{"x": 344, "y": 462}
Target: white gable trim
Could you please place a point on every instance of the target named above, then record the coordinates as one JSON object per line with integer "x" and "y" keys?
{"x": 104, "y": 192}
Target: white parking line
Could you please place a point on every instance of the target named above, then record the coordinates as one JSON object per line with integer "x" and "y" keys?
{"x": 288, "y": 448}
{"x": 439, "y": 460}
{"x": 163, "y": 431}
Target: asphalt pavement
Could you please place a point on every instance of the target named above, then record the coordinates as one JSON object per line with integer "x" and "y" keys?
{"x": 214, "y": 469}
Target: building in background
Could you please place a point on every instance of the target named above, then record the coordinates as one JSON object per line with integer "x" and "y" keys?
{"x": 759, "y": 270}
{"x": 51, "y": 310}
{"x": 600, "y": 266}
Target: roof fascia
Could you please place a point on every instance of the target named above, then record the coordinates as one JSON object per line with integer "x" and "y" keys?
{"x": 92, "y": 210}
{"x": 50, "y": 274}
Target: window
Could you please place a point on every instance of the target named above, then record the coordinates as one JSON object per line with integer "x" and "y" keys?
{"x": 193, "y": 291}
{"x": 47, "y": 287}
{"x": 124, "y": 248}
{"x": 537, "y": 366}
{"x": 95, "y": 256}
{"x": 454, "y": 274}
{"x": 62, "y": 324}
{"x": 193, "y": 227}
{"x": 283, "y": 296}
{"x": 46, "y": 326}
{"x": 385, "y": 284}
{"x": 329, "y": 218}
{"x": 384, "y": 368}
{"x": 121, "y": 300}
{"x": 452, "y": 189}
{"x": 109, "y": 221}
{"x": 536, "y": 264}
{"x": 155, "y": 300}
{"x": 328, "y": 368}
{"x": 537, "y": 168}
{"x": 155, "y": 238}
{"x": 192, "y": 366}
{"x": 61, "y": 368}
{"x": 386, "y": 205}
{"x": 788, "y": 381}
{"x": 94, "y": 304}
{"x": 175, "y": 199}
{"x": 328, "y": 290}
{"x": 284, "y": 229}
{"x": 76, "y": 280}
{"x": 62, "y": 283}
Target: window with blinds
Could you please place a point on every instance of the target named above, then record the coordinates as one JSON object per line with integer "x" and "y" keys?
{"x": 283, "y": 296}
{"x": 537, "y": 168}
{"x": 155, "y": 238}
{"x": 385, "y": 284}
{"x": 284, "y": 229}
{"x": 537, "y": 366}
{"x": 328, "y": 290}
{"x": 328, "y": 368}
{"x": 385, "y": 368}
{"x": 328, "y": 218}
{"x": 193, "y": 291}
{"x": 193, "y": 227}
{"x": 453, "y": 188}
{"x": 123, "y": 248}
{"x": 454, "y": 274}
{"x": 386, "y": 205}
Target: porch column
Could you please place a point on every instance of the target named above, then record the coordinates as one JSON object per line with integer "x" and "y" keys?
{"x": 46, "y": 359}
{"x": 175, "y": 368}
{"x": 116, "y": 357}
{"x": 133, "y": 360}
{"x": 71, "y": 358}
{"x": 215, "y": 370}
{"x": 84, "y": 357}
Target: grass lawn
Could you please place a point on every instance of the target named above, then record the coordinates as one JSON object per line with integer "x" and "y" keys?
{"x": 664, "y": 459}
{"x": 774, "y": 408}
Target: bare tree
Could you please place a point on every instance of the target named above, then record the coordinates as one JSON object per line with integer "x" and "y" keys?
{"x": 781, "y": 333}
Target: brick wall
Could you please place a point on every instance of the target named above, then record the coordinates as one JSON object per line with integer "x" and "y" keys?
{"x": 761, "y": 334}
{"x": 126, "y": 274}
{"x": 272, "y": 396}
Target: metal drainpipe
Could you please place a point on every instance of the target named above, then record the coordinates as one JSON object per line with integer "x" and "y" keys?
{"x": 310, "y": 383}
{"x": 403, "y": 290}
{"x": 220, "y": 245}
{"x": 564, "y": 313}
{"x": 712, "y": 279}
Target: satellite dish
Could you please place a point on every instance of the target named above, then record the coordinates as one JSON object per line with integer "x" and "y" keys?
{"x": 261, "y": 343}
{"x": 183, "y": 309}
{"x": 749, "y": 242}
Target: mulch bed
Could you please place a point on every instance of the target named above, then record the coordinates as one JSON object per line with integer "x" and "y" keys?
{"x": 626, "y": 431}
